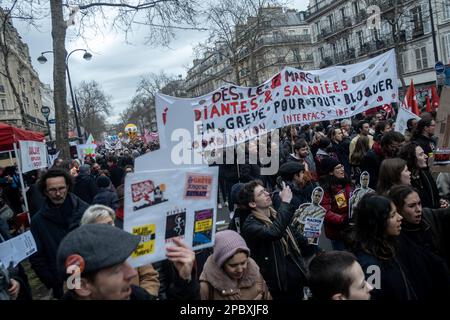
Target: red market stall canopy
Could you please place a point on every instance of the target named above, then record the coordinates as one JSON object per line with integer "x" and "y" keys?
{"x": 10, "y": 135}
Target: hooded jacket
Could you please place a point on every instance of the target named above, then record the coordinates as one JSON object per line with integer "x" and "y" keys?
{"x": 216, "y": 285}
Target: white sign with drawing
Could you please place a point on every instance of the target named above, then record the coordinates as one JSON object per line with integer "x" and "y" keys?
{"x": 170, "y": 203}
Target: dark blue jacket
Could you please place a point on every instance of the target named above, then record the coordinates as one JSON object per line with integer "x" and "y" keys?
{"x": 85, "y": 188}
{"x": 49, "y": 226}
{"x": 107, "y": 197}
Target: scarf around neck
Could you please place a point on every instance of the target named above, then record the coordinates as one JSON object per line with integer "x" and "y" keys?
{"x": 288, "y": 236}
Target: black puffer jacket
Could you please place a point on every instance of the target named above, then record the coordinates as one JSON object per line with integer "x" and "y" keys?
{"x": 85, "y": 188}
{"x": 107, "y": 197}
{"x": 285, "y": 275}
{"x": 428, "y": 191}
{"x": 432, "y": 233}
{"x": 428, "y": 144}
{"x": 49, "y": 226}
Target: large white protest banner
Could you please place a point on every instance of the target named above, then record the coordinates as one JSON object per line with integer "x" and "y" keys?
{"x": 290, "y": 97}
{"x": 33, "y": 155}
{"x": 165, "y": 204}
{"x": 402, "y": 118}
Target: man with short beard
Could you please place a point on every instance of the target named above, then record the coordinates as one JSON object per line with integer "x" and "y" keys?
{"x": 61, "y": 213}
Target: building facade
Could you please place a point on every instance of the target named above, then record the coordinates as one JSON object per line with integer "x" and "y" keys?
{"x": 277, "y": 38}
{"x": 25, "y": 80}
{"x": 345, "y": 31}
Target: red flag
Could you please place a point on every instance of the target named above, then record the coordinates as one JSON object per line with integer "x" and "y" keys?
{"x": 410, "y": 101}
{"x": 428, "y": 108}
{"x": 435, "y": 100}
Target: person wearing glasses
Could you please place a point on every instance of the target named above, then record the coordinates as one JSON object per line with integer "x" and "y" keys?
{"x": 60, "y": 214}
{"x": 276, "y": 247}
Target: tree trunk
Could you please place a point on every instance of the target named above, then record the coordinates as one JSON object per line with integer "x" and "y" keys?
{"x": 59, "y": 77}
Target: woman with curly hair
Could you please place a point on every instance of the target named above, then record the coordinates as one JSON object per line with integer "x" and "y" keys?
{"x": 421, "y": 178}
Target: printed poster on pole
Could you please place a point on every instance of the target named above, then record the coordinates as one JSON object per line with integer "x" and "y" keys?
{"x": 33, "y": 155}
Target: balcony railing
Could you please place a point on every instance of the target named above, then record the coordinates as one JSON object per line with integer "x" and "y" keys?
{"x": 418, "y": 32}
{"x": 320, "y": 6}
{"x": 304, "y": 38}
{"x": 336, "y": 28}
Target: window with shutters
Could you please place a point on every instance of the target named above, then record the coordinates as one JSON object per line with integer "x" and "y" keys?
{"x": 446, "y": 9}
{"x": 445, "y": 41}
{"x": 421, "y": 58}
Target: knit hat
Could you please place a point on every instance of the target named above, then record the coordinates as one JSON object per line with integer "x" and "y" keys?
{"x": 227, "y": 243}
{"x": 103, "y": 182}
{"x": 329, "y": 163}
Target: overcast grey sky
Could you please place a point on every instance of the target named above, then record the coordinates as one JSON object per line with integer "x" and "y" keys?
{"x": 116, "y": 65}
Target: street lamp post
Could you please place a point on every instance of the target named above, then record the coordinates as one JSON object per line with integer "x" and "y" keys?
{"x": 46, "y": 112}
{"x": 87, "y": 56}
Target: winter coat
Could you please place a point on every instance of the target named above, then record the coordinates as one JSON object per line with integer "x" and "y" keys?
{"x": 284, "y": 274}
{"x": 148, "y": 279}
{"x": 238, "y": 219}
{"x": 35, "y": 199}
{"x": 107, "y": 197}
{"x": 49, "y": 226}
{"x": 342, "y": 151}
{"x": 428, "y": 144}
{"x": 427, "y": 188}
{"x": 116, "y": 175}
{"x": 432, "y": 233}
{"x": 85, "y": 188}
{"x": 249, "y": 172}
{"x": 336, "y": 218}
{"x": 371, "y": 163}
{"x": 393, "y": 284}
{"x": 216, "y": 285}
{"x": 299, "y": 195}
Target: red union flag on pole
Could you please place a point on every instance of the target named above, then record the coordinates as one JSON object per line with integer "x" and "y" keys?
{"x": 435, "y": 100}
{"x": 410, "y": 101}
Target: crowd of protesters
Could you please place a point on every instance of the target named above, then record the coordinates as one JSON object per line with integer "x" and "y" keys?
{"x": 395, "y": 246}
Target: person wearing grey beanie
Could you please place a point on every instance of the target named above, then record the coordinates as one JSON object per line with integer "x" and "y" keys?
{"x": 230, "y": 274}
